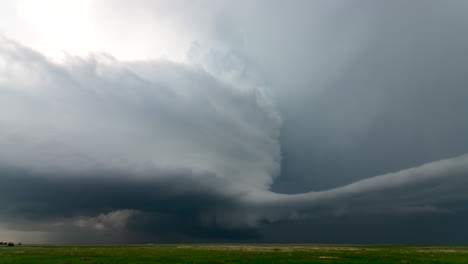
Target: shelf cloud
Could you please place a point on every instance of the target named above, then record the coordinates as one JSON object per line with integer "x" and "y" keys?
{"x": 156, "y": 148}
{"x": 312, "y": 121}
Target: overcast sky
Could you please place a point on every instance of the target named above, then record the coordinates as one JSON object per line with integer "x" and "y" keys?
{"x": 234, "y": 121}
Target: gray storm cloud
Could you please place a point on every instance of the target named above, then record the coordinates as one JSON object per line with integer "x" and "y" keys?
{"x": 97, "y": 113}
{"x": 97, "y": 119}
{"x": 113, "y": 147}
{"x": 273, "y": 130}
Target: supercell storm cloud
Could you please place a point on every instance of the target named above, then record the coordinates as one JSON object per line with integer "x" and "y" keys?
{"x": 204, "y": 121}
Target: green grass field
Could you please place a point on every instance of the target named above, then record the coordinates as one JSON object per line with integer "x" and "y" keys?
{"x": 233, "y": 253}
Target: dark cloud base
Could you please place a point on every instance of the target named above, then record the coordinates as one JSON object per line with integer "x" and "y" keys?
{"x": 170, "y": 208}
{"x": 416, "y": 206}
{"x": 420, "y": 229}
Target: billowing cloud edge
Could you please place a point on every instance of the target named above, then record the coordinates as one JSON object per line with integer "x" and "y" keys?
{"x": 66, "y": 159}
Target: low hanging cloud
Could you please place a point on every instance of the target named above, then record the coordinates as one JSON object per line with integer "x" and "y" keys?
{"x": 94, "y": 135}
{"x": 99, "y": 150}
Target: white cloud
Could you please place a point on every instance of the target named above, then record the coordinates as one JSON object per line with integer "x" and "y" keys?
{"x": 99, "y": 113}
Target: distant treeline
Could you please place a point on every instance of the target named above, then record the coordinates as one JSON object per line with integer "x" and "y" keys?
{"x": 10, "y": 244}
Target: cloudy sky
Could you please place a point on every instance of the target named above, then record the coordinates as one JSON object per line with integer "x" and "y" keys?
{"x": 234, "y": 121}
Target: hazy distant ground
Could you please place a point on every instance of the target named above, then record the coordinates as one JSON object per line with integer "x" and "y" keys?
{"x": 235, "y": 253}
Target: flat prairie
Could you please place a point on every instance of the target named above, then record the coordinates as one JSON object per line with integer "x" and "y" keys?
{"x": 232, "y": 253}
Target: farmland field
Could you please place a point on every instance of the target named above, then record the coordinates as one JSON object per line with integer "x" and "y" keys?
{"x": 232, "y": 253}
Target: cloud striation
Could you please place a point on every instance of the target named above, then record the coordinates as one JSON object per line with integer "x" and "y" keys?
{"x": 94, "y": 149}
